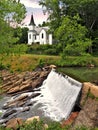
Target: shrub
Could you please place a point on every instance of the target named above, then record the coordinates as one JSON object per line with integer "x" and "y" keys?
{"x": 41, "y": 63}
{"x": 2, "y": 66}
{"x": 35, "y": 125}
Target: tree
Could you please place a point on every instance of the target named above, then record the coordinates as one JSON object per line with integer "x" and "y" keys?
{"x": 87, "y": 10}
{"x": 73, "y": 36}
{"x": 11, "y": 13}
{"x": 54, "y": 11}
{"x": 24, "y": 36}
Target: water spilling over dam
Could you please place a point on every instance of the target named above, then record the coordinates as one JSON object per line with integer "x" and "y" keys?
{"x": 54, "y": 99}
{"x": 58, "y": 95}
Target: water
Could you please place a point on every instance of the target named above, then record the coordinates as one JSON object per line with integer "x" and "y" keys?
{"x": 58, "y": 95}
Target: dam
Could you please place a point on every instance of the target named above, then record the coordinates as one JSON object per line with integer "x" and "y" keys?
{"x": 58, "y": 95}
{"x": 55, "y": 99}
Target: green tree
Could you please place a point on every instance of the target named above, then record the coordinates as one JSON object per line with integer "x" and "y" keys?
{"x": 54, "y": 11}
{"x": 73, "y": 36}
{"x": 87, "y": 10}
{"x": 24, "y": 36}
{"x": 11, "y": 14}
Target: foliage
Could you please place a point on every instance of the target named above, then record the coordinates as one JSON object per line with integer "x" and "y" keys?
{"x": 41, "y": 63}
{"x": 40, "y": 125}
{"x": 44, "y": 49}
{"x": 73, "y": 36}
{"x": 21, "y": 34}
{"x": 19, "y": 49}
{"x": 11, "y": 14}
{"x": 25, "y": 62}
{"x": 24, "y": 37}
{"x": 60, "y": 10}
{"x": 35, "y": 125}
{"x": 54, "y": 12}
{"x": 79, "y": 61}
{"x": 13, "y": 49}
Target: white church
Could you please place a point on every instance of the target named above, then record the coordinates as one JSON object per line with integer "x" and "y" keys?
{"x": 38, "y": 35}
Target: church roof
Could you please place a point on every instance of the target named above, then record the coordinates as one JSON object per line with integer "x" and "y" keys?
{"x": 32, "y": 21}
{"x": 39, "y": 29}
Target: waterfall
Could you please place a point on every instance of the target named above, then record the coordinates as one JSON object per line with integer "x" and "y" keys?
{"x": 58, "y": 95}
{"x": 54, "y": 99}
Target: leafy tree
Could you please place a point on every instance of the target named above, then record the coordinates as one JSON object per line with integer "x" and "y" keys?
{"x": 24, "y": 36}
{"x": 11, "y": 14}
{"x": 21, "y": 34}
{"x": 73, "y": 36}
{"x": 53, "y": 8}
{"x": 87, "y": 10}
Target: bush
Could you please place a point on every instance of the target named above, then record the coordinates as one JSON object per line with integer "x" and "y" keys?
{"x": 35, "y": 125}
{"x": 79, "y": 61}
{"x": 41, "y": 63}
{"x": 43, "y": 49}
{"x": 2, "y": 66}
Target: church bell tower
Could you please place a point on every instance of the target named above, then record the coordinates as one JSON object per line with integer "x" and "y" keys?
{"x": 31, "y": 32}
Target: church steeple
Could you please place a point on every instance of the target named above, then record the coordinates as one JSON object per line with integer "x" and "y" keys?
{"x": 32, "y": 21}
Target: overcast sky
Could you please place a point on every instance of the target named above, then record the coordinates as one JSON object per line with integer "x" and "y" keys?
{"x": 33, "y": 6}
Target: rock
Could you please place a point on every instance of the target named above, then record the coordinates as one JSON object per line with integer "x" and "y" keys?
{"x": 89, "y": 86}
{"x": 88, "y": 116}
{"x": 45, "y": 126}
{"x": 52, "y": 66}
{"x": 8, "y": 112}
{"x": 13, "y": 90}
{"x": 36, "y": 83}
{"x": 70, "y": 120}
{"x": 14, "y": 123}
{"x": 20, "y": 100}
{"x": 90, "y": 65}
{"x": 86, "y": 89}
{"x": 44, "y": 74}
{"x": 29, "y": 120}
{"x": 47, "y": 68}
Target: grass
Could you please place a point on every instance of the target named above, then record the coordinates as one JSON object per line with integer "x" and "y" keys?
{"x": 40, "y": 125}
{"x": 70, "y": 65}
{"x": 27, "y": 62}
{"x": 82, "y": 74}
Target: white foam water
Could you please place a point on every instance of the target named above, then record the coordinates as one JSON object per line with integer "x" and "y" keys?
{"x": 58, "y": 96}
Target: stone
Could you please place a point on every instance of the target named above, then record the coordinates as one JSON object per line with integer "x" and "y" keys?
{"x": 52, "y": 66}
{"x": 89, "y": 86}
{"x": 90, "y": 65}
{"x": 8, "y": 112}
{"x": 88, "y": 116}
{"x": 36, "y": 83}
{"x": 29, "y": 120}
{"x": 14, "y": 123}
{"x": 70, "y": 120}
{"x": 44, "y": 74}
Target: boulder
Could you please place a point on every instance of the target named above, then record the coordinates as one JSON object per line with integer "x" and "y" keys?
{"x": 87, "y": 86}
{"x": 90, "y": 65}
{"x": 29, "y": 120}
{"x": 52, "y": 66}
{"x": 14, "y": 123}
{"x": 88, "y": 116}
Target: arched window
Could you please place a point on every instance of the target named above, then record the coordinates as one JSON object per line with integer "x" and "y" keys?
{"x": 29, "y": 36}
{"x": 35, "y": 37}
{"x": 42, "y": 35}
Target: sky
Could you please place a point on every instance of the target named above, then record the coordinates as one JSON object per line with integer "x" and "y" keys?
{"x": 32, "y": 6}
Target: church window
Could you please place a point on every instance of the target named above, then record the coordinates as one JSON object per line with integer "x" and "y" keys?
{"x": 35, "y": 37}
{"x": 29, "y": 36}
{"x": 42, "y": 35}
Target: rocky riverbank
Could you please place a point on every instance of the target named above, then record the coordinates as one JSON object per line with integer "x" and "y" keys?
{"x": 21, "y": 88}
